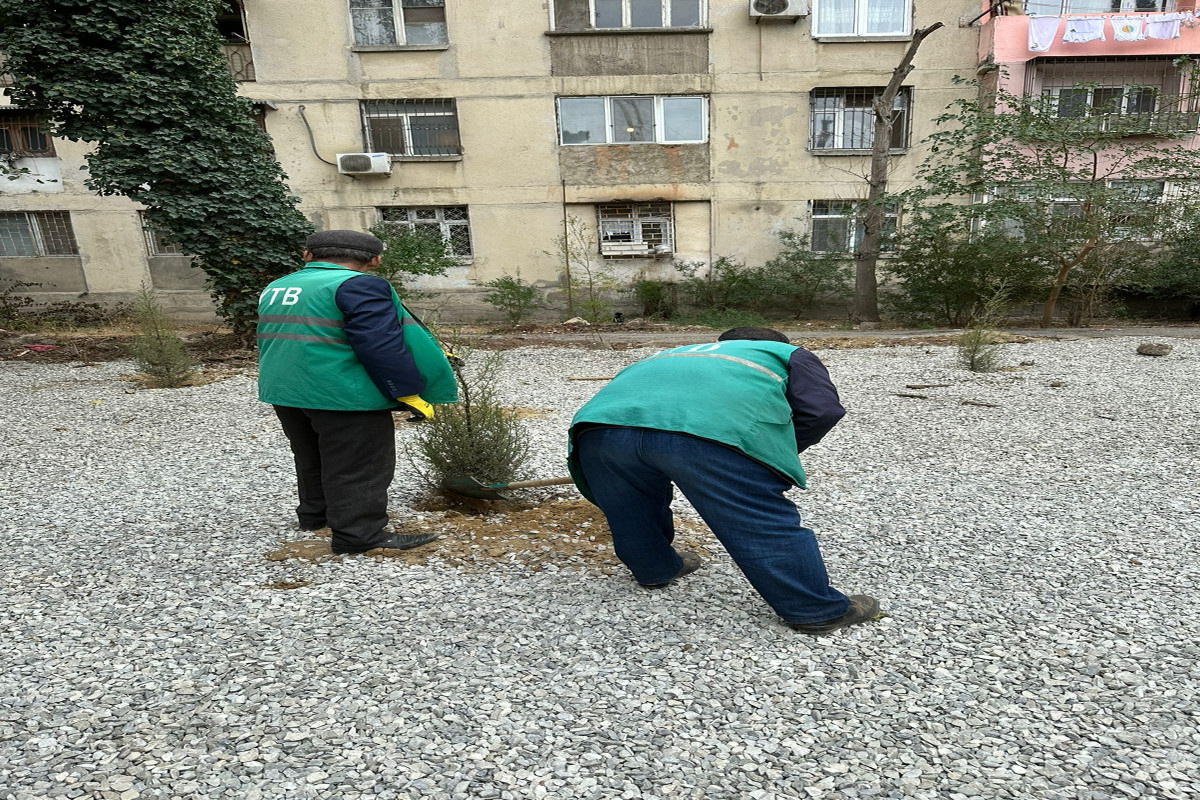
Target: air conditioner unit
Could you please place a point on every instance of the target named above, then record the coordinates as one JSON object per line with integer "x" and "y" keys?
{"x": 364, "y": 163}
{"x": 778, "y": 10}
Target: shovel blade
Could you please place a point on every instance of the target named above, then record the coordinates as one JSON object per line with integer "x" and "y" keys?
{"x": 470, "y": 487}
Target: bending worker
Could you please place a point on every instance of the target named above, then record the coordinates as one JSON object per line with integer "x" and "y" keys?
{"x": 724, "y": 423}
{"x": 337, "y": 353}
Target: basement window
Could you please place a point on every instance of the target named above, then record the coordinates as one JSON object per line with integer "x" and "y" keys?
{"x": 635, "y": 230}
{"x": 34, "y": 234}
{"x": 451, "y": 223}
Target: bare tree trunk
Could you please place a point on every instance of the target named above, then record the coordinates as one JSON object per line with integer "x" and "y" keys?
{"x": 1060, "y": 280}
{"x": 866, "y": 258}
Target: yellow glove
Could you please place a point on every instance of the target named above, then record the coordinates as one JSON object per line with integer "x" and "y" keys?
{"x": 455, "y": 361}
{"x": 419, "y": 409}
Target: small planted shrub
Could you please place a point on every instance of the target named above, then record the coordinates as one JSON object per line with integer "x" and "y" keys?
{"x": 658, "y": 299}
{"x": 514, "y": 297}
{"x": 476, "y": 437}
{"x": 158, "y": 351}
{"x": 979, "y": 345}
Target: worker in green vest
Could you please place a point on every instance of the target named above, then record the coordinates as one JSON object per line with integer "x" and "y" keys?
{"x": 338, "y": 353}
{"x": 723, "y": 422}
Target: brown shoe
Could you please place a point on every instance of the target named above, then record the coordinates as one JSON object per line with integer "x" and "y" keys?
{"x": 863, "y": 608}
{"x": 691, "y": 563}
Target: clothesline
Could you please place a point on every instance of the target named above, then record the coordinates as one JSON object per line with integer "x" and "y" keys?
{"x": 1090, "y": 28}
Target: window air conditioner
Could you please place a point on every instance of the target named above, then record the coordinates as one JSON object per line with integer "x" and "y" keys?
{"x": 778, "y": 10}
{"x": 364, "y": 163}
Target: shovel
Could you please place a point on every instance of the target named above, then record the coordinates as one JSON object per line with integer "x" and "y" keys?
{"x": 470, "y": 487}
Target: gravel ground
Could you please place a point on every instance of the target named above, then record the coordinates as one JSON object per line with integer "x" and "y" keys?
{"x": 1038, "y": 558}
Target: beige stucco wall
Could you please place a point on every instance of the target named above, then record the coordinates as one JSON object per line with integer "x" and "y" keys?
{"x": 757, "y": 176}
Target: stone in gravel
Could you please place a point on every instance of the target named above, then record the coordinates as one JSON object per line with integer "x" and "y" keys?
{"x": 1154, "y": 348}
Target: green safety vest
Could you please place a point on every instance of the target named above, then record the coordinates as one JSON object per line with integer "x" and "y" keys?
{"x": 731, "y": 392}
{"x": 304, "y": 359}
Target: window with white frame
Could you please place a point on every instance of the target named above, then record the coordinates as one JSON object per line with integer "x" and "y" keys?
{"x": 635, "y": 230}
{"x": 647, "y": 13}
{"x": 451, "y": 223}
{"x": 157, "y": 244}
{"x": 627, "y": 120}
{"x": 837, "y": 226}
{"x": 1090, "y": 101}
{"x": 862, "y": 18}
{"x": 32, "y": 234}
{"x": 399, "y": 22}
{"x": 412, "y": 127}
{"x": 843, "y": 119}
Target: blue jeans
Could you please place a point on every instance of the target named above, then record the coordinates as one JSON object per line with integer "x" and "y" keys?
{"x": 630, "y": 472}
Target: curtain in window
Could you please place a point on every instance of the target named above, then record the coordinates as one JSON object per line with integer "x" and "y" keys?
{"x": 835, "y": 16}
{"x": 886, "y": 16}
{"x": 683, "y": 119}
{"x": 581, "y": 120}
{"x": 374, "y": 21}
{"x": 633, "y": 119}
{"x": 608, "y": 14}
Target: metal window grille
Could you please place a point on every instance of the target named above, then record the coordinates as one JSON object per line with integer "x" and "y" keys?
{"x": 635, "y": 230}
{"x": 1101, "y": 6}
{"x": 24, "y": 135}
{"x": 836, "y": 226}
{"x": 37, "y": 233}
{"x": 647, "y": 13}
{"x": 1136, "y": 96}
{"x": 452, "y": 223}
{"x": 384, "y": 22}
{"x": 157, "y": 244}
{"x": 664, "y": 119}
{"x": 843, "y": 119}
{"x": 412, "y": 127}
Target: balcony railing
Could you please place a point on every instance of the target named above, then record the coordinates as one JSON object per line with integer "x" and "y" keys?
{"x": 241, "y": 61}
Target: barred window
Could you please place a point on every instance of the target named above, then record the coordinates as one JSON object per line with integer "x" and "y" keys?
{"x": 635, "y": 230}
{"x": 836, "y": 226}
{"x": 381, "y": 22}
{"x": 37, "y": 233}
{"x": 639, "y": 118}
{"x": 24, "y": 135}
{"x": 412, "y": 127}
{"x": 157, "y": 244}
{"x": 452, "y": 223}
{"x": 842, "y": 119}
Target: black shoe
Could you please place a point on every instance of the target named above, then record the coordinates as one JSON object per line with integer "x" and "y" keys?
{"x": 863, "y": 608}
{"x": 397, "y": 541}
{"x": 691, "y": 563}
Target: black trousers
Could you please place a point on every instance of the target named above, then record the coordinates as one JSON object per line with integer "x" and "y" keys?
{"x": 345, "y": 462}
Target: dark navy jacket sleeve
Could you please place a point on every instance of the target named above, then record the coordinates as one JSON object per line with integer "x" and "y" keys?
{"x": 373, "y": 330}
{"x": 813, "y": 398}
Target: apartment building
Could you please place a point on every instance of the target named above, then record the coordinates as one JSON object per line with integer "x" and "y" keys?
{"x": 667, "y": 131}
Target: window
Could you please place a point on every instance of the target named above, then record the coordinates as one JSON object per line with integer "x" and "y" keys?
{"x": 1059, "y": 7}
{"x": 635, "y": 230}
{"x": 628, "y": 120}
{"x": 37, "y": 233}
{"x": 412, "y": 127}
{"x": 1090, "y": 101}
{"x": 647, "y": 13}
{"x": 836, "y": 229}
{"x": 231, "y": 22}
{"x": 24, "y": 135}
{"x": 842, "y": 119}
{"x": 861, "y": 18}
{"x": 157, "y": 244}
{"x": 381, "y": 22}
{"x": 449, "y": 222}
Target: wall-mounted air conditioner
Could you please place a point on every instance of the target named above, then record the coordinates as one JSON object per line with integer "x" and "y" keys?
{"x": 364, "y": 163}
{"x": 778, "y": 10}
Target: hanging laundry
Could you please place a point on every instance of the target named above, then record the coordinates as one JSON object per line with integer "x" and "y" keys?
{"x": 1129, "y": 29}
{"x": 1164, "y": 26}
{"x": 1084, "y": 29}
{"x": 1041, "y": 33}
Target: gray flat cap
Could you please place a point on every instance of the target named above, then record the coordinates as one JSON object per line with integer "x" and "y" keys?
{"x": 350, "y": 239}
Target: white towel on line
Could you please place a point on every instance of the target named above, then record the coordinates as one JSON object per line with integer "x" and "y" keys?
{"x": 1164, "y": 26}
{"x": 1042, "y": 31}
{"x": 1084, "y": 29}
{"x": 1129, "y": 29}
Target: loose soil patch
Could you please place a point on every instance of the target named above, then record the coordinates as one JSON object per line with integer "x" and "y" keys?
{"x": 562, "y": 534}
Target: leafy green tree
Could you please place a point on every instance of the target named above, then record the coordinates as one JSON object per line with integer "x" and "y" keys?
{"x": 148, "y": 85}
{"x": 409, "y": 253}
{"x": 1074, "y": 189}
{"x": 799, "y": 278}
{"x": 515, "y": 297}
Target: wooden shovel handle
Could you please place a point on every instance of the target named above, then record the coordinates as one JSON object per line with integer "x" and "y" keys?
{"x": 534, "y": 484}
